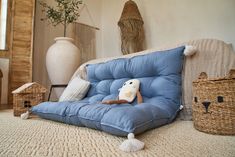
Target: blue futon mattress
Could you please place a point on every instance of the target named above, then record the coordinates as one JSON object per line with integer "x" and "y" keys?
{"x": 160, "y": 77}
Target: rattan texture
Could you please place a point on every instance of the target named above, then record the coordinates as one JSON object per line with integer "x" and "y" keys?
{"x": 214, "y": 104}
{"x": 27, "y": 96}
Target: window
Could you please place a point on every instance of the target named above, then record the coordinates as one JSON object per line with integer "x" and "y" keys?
{"x": 3, "y": 23}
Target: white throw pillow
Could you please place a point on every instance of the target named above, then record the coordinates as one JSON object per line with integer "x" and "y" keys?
{"x": 76, "y": 90}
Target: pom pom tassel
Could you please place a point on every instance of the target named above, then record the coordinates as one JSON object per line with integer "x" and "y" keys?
{"x": 131, "y": 144}
{"x": 189, "y": 50}
{"x": 25, "y": 115}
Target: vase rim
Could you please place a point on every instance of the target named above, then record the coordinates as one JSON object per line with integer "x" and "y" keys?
{"x": 63, "y": 38}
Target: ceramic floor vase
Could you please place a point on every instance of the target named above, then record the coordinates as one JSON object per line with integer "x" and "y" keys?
{"x": 62, "y": 60}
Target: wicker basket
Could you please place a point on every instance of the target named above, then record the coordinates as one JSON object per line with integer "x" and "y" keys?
{"x": 26, "y": 96}
{"x": 214, "y": 104}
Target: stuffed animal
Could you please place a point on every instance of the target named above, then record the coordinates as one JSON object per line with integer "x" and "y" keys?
{"x": 127, "y": 94}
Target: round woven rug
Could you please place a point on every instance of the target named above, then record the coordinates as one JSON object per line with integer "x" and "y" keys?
{"x": 38, "y": 138}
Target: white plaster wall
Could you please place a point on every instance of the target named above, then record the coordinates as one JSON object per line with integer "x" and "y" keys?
{"x": 166, "y": 22}
{"x": 4, "y": 66}
{"x": 170, "y": 21}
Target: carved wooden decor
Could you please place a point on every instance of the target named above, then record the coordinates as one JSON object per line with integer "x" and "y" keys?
{"x": 22, "y": 44}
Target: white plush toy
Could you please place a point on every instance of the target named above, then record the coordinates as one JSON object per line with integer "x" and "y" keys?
{"x": 128, "y": 92}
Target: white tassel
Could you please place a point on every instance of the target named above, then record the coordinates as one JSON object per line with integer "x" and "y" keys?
{"x": 181, "y": 107}
{"x": 189, "y": 50}
{"x": 131, "y": 144}
{"x": 25, "y": 115}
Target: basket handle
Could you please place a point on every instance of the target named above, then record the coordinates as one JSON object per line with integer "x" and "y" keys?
{"x": 231, "y": 73}
{"x": 203, "y": 75}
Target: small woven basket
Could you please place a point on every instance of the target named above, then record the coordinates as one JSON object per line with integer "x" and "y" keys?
{"x": 214, "y": 104}
{"x": 27, "y": 96}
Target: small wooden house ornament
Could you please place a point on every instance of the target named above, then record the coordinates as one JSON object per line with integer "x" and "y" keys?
{"x": 26, "y": 96}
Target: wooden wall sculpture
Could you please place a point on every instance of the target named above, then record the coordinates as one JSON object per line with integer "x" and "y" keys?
{"x": 22, "y": 44}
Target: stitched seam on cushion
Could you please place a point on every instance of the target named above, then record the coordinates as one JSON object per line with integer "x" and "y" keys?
{"x": 138, "y": 126}
{"x": 48, "y": 113}
{"x": 89, "y": 118}
{"x": 78, "y": 109}
{"x": 109, "y": 125}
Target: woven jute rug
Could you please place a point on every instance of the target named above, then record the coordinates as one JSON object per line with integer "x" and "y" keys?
{"x": 38, "y": 138}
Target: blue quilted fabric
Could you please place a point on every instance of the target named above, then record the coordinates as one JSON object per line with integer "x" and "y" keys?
{"x": 160, "y": 77}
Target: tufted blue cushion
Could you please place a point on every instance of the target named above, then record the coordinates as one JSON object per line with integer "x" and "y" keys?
{"x": 160, "y": 77}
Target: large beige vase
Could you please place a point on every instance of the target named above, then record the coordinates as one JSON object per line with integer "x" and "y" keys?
{"x": 62, "y": 60}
